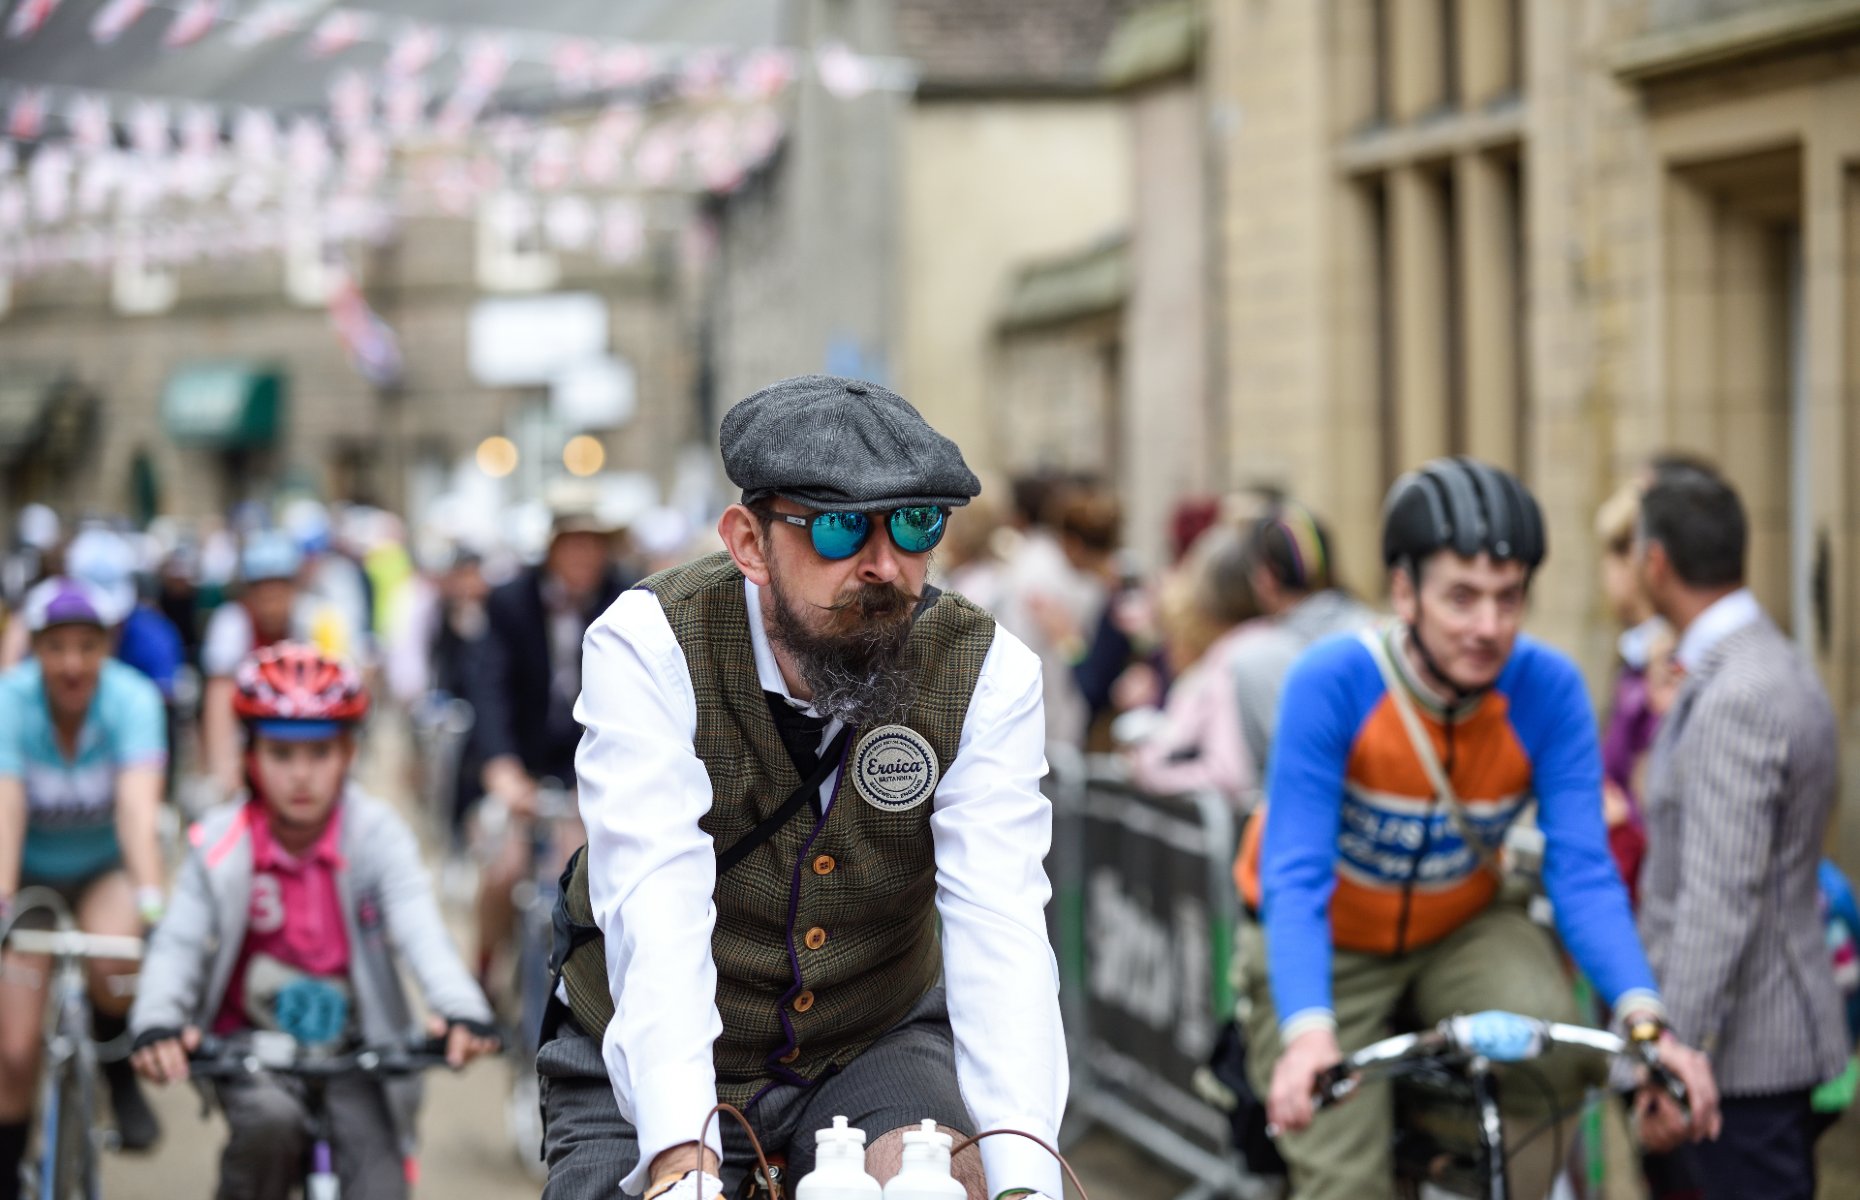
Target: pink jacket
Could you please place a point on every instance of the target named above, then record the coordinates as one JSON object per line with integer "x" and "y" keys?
{"x": 1200, "y": 743}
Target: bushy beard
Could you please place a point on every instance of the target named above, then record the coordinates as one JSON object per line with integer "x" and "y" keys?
{"x": 854, "y": 666}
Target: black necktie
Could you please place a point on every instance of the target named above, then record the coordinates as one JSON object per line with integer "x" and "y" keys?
{"x": 799, "y": 732}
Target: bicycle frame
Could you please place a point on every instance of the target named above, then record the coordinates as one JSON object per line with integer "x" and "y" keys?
{"x": 70, "y": 1057}
{"x": 534, "y": 899}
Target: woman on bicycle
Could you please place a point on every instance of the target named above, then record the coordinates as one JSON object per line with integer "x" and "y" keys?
{"x": 288, "y": 916}
{"x": 83, "y": 753}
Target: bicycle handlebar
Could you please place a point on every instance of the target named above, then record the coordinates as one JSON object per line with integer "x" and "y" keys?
{"x": 74, "y": 943}
{"x": 238, "y": 1058}
{"x": 1494, "y": 1036}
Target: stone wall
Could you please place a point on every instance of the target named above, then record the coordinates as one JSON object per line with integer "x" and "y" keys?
{"x": 987, "y": 186}
{"x": 422, "y": 285}
{"x": 1665, "y": 196}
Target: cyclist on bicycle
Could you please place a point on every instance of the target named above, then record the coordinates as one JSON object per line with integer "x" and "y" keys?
{"x": 83, "y": 747}
{"x": 523, "y": 674}
{"x": 1378, "y": 873}
{"x": 290, "y": 914}
{"x": 800, "y": 760}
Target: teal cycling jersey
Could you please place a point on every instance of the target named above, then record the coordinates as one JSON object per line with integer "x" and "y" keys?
{"x": 71, "y": 801}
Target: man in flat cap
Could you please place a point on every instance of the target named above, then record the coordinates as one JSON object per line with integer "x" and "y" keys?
{"x": 799, "y": 757}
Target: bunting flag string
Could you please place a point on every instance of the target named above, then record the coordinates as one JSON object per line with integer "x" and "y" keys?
{"x": 25, "y": 119}
{"x": 396, "y": 135}
{"x": 270, "y": 20}
{"x": 531, "y": 183}
{"x": 114, "y": 19}
{"x": 90, "y": 124}
{"x": 576, "y": 63}
{"x": 194, "y": 21}
{"x": 336, "y": 32}
{"x": 414, "y": 51}
{"x": 29, "y": 16}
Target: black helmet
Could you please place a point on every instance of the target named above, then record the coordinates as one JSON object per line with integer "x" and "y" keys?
{"x": 1463, "y": 505}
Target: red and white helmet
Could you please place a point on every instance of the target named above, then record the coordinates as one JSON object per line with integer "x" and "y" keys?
{"x": 291, "y": 690}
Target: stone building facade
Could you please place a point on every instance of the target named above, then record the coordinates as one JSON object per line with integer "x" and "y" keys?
{"x": 339, "y": 436}
{"x": 1562, "y": 236}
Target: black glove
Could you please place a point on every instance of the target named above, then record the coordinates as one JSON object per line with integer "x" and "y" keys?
{"x": 148, "y": 1037}
{"x": 483, "y": 1029}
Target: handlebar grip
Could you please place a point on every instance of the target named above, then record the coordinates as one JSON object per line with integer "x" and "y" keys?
{"x": 1333, "y": 1084}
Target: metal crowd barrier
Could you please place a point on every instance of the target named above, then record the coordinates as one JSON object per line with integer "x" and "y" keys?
{"x": 1142, "y": 920}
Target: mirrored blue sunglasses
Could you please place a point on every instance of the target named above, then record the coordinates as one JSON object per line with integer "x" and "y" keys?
{"x": 915, "y": 529}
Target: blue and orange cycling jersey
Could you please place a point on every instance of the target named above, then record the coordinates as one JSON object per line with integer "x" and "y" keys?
{"x": 1359, "y": 854}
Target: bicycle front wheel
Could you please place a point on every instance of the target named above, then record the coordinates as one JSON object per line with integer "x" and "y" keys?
{"x": 70, "y": 1169}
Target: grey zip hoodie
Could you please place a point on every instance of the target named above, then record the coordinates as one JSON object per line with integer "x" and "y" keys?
{"x": 388, "y": 911}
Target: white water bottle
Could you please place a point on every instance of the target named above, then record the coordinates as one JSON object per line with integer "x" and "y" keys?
{"x": 839, "y": 1167}
{"x": 925, "y": 1173}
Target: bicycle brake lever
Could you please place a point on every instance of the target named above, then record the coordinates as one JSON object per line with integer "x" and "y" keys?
{"x": 1660, "y": 1073}
{"x": 1334, "y": 1083}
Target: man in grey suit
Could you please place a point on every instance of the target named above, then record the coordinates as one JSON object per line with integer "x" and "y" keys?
{"x": 1741, "y": 786}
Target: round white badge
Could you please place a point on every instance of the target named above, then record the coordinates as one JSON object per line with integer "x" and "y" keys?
{"x": 894, "y": 768}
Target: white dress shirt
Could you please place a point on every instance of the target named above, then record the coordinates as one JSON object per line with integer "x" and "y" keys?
{"x": 1727, "y": 615}
{"x": 653, "y": 873}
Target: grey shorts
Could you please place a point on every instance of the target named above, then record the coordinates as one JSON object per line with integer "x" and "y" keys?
{"x": 908, "y": 1074}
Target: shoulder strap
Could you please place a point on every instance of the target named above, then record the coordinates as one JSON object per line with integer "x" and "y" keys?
{"x": 1424, "y": 747}
{"x": 772, "y": 824}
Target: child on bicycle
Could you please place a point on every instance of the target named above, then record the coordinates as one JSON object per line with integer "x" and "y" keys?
{"x": 290, "y": 914}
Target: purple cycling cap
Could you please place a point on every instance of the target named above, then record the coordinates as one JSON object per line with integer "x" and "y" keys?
{"x": 63, "y": 600}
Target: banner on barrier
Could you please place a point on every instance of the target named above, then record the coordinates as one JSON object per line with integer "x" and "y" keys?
{"x": 1157, "y": 941}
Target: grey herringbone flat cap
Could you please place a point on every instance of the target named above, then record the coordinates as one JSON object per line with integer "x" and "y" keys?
{"x": 840, "y": 444}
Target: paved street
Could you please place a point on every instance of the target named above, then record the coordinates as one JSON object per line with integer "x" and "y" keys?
{"x": 465, "y": 1155}
{"x": 465, "y": 1151}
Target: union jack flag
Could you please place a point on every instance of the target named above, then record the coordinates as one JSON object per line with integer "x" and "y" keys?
{"x": 370, "y": 343}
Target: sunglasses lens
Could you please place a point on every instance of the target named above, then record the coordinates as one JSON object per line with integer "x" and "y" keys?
{"x": 840, "y": 534}
{"x": 918, "y": 529}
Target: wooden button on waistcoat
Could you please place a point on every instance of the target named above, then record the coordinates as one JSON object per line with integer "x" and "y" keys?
{"x": 789, "y": 1057}
{"x": 824, "y": 865}
{"x": 804, "y": 1001}
{"x": 816, "y": 938}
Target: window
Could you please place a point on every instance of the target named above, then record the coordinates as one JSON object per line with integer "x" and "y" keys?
{"x": 1434, "y": 172}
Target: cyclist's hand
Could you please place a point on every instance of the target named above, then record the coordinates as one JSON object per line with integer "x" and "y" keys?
{"x": 1290, "y": 1105}
{"x": 505, "y": 778}
{"x": 680, "y": 1173}
{"x": 163, "y": 1058}
{"x": 689, "y": 1186}
{"x": 465, "y": 1040}
{"x": 1662, "y": 1123}
{"x": 1616, "y": 808}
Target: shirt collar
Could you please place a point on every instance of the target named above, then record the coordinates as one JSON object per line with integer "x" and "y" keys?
{"x": 768, "y": 671}
{"x": 1726, "y": 616}
{"x": 1635, "y": 644}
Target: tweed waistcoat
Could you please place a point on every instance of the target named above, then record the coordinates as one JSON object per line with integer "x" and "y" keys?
{"x": 826, "y": 934}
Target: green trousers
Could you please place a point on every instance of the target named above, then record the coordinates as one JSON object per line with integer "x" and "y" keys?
{"x": 1500, "y": 959}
